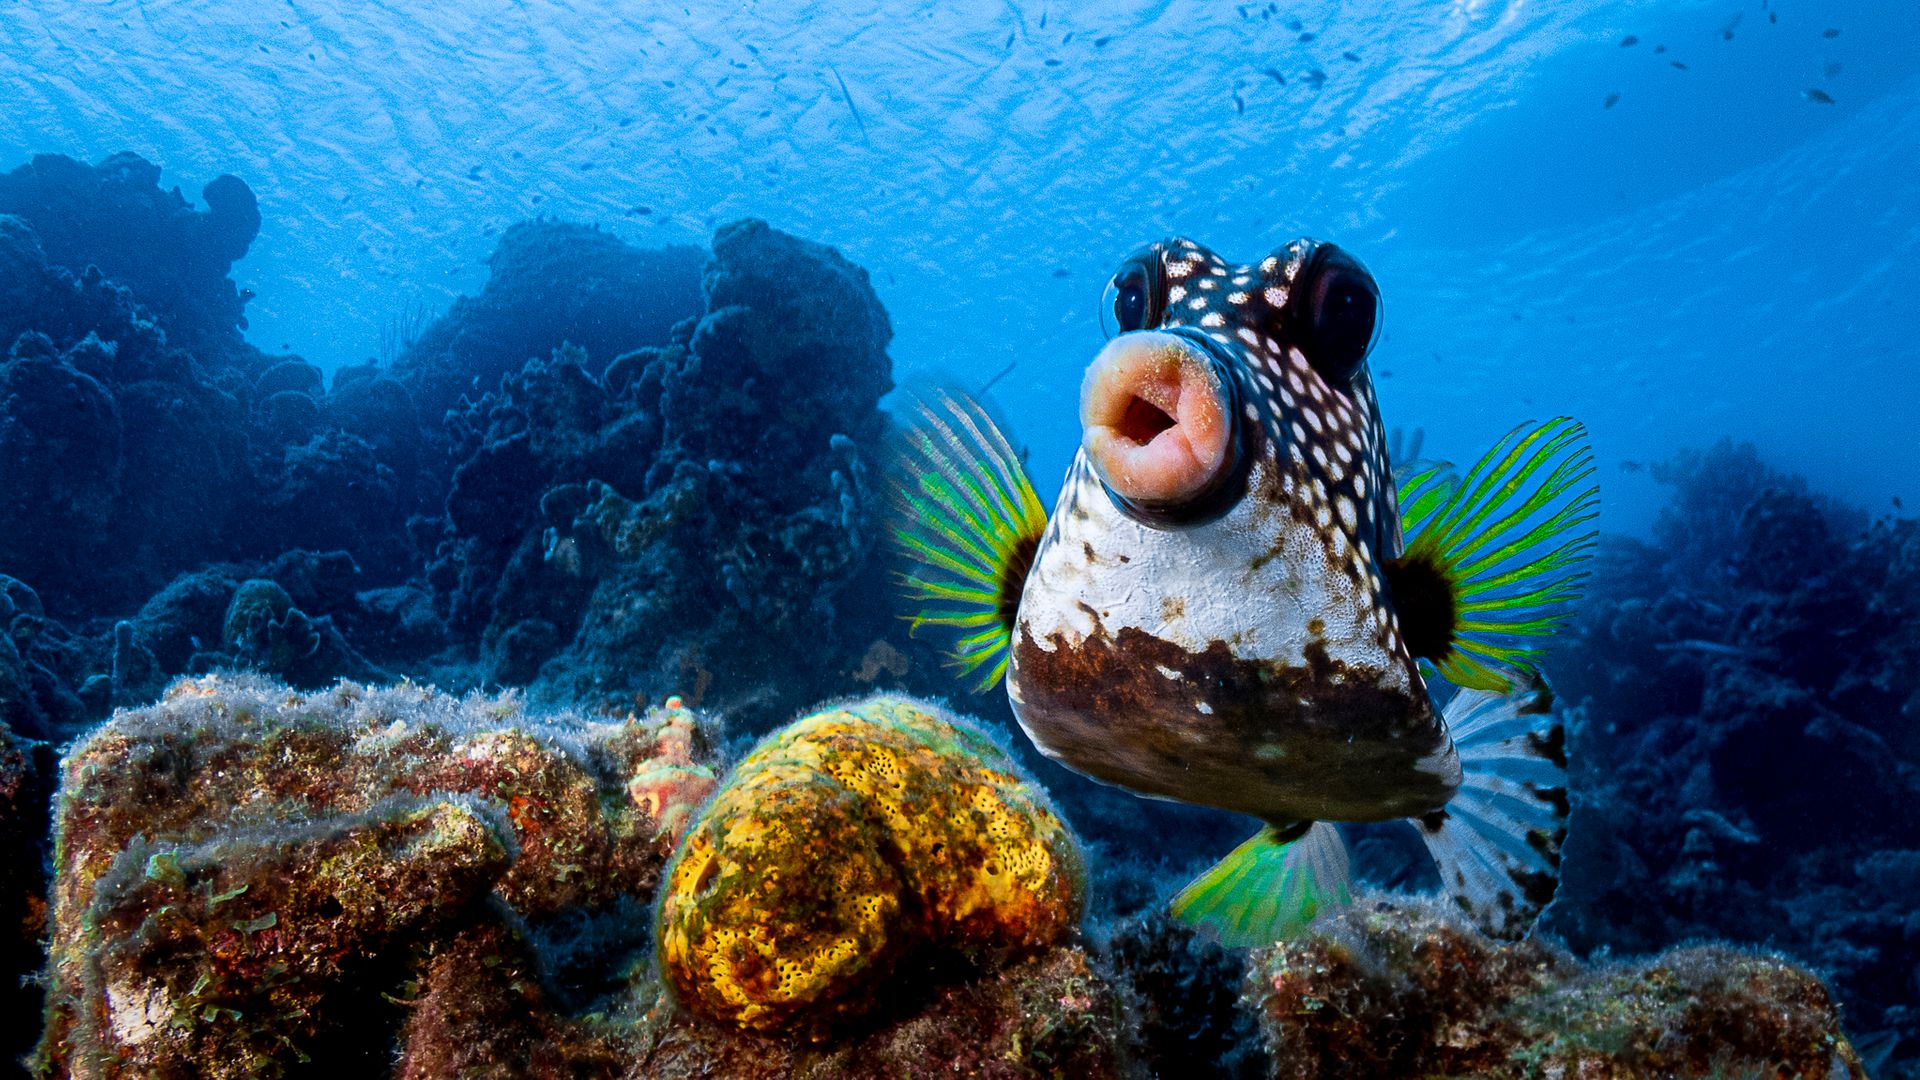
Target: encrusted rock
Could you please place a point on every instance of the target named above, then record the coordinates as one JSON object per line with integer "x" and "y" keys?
{"x": 243, "y": 871}
{"x": 1403, "y": 988}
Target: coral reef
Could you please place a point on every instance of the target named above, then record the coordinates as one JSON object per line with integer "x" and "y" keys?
{"x": 149, "y": 438}
{"x": 856, "y": 841}
{"x": 115, "y": 217}
{"x": 647, "y": 481}
{"x": 619, "y": 474}
{"x": 1748, "y": 690}
{"x": 704, "y": 505}
{"x": 552, "y": 283}
{"x": 242, "y": 871}
{"x": 1408, "y": 989}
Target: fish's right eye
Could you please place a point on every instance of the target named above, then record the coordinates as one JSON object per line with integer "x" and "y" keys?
{"x": 1129, "y": 303}
{"x": 1130, "y": 300}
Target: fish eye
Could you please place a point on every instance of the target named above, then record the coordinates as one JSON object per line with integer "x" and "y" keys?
{"x": 1129, "y": 301}
{"x": 1337, "y": 323}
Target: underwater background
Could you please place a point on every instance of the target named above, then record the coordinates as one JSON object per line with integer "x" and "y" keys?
{"x": 547, "y": 348}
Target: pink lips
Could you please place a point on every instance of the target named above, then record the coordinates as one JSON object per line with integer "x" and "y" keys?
{"x": 1153, "y": 418}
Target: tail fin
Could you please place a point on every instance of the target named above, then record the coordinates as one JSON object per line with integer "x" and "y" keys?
{"x": 1498, "y": 840}
{"x": 1270, "y": 887}
{"x": 1494, "y": 557}
{"x": 966, "y": 516}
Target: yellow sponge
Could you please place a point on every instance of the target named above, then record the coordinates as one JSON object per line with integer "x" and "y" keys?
{"x": 850, "y": 840}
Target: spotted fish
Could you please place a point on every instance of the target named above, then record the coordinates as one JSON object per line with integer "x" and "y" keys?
{"x": 1236, "y": 603}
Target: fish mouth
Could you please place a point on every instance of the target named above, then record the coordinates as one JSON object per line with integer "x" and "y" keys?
{"x": 1156, "y": 419}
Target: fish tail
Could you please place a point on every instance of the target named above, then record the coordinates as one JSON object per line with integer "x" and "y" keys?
{"x": 1270, "y": 887}
{"x": 1498, "y": 839}
{"x": 1496, "y": 558}
{"x": 965, "y": 517}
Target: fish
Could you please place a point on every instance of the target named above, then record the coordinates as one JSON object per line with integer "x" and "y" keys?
{"x": 847, "y": 96}
{"x": 1237, "y": 602}
{"x": 1817, "y": 96}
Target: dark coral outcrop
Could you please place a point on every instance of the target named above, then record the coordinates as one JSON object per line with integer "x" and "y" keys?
{"x": 147, "y": 438}
{"x": 704, "y": 516}
{"x": 115, "y": 217}
{"x": 552, "y": 283}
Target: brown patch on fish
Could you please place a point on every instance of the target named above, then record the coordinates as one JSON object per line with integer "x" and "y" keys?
{"x": 1173, "y": 607}
{"x": 1324, "y": 741}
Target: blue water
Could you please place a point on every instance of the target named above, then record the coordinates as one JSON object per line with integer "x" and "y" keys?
{"x": 1713, "y": 254}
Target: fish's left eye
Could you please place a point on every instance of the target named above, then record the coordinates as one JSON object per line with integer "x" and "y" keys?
{"x": 1340, "y": 315}
{"x": 1129, "y": 301}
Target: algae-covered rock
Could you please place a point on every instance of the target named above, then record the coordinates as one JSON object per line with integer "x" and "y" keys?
{"x": 253, "y": 881}
{"x": 1407, "y": 989}
{"x": 853, "y": 841}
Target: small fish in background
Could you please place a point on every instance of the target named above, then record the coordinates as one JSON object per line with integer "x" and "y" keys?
{"x": 1677, "y": 65}
{"x": 1830, "y": 33}
{"x": 1239, "y": 601}
{"x": 1726, "y": 29}
{"x": 1832, "y": 69}
{"x": 1612, "y": 100}
{"x": 1817, "y": 96}
{"x": 1629, "y": 41}
{"x": 1308, "y": 36}
{"x": 1239, "y": 104}
{"x": 1274, "y": 74}
{"x": 1315, "y": 77}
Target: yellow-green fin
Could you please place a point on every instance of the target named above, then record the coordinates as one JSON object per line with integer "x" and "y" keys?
{"x": 966, "y": 517}
{"x": 1270, "y": 887}
{"x": 1494, "y": 559}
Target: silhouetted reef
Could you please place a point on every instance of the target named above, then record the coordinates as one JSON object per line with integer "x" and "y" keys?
{"x": 1746, "y": 741}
